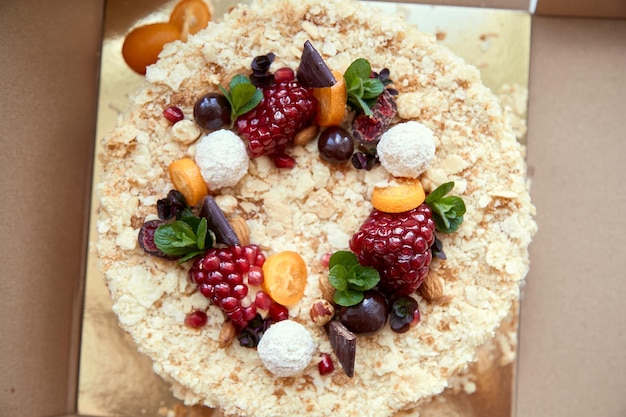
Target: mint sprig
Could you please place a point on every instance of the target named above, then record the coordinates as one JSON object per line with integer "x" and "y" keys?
{"x": 447, "y": 211}
{"x": 243, "y": 96}
{"x": 362, "y": 89}
{"x": 184, "y": 238}
{"x": 350, "y": 278}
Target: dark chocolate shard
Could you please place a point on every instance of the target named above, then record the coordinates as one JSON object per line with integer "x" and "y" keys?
{"x": 343, "y": 342}
{"x": 313, "y": 71}
{"x": 217, "y": 222}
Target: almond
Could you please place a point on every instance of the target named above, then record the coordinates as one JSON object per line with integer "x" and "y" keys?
{"x": 240, "y": 226}
{"x": 227, "y": 334}
{"x": 306, "y": 135}
{"x": 431, "y": 289}
{"x": 326, "y": 288}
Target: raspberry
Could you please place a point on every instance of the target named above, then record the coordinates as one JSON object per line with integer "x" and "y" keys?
{"x": 397, "y": 245}
{"x": 286, "y": 108}
{"x": 221, "y": 275}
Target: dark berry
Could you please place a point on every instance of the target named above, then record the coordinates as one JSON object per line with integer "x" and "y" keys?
{"x": 397, "y": 245}
{"x": 212, "y": 111}
{"x": 364, "y": 160}
{"x": 335, "y": 145}
{"x": 261, "y": 63}
{"x": 404, "y": 313}
{"x": 171, "y": 206}
{"x": 146, "y": 237}
{"x": 286, "y": 108}
{"x": 366, "y": 317}
{"x": 367, "y": 130}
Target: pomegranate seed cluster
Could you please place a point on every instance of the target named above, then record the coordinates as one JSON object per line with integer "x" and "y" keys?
{"x": 230, "y": 277}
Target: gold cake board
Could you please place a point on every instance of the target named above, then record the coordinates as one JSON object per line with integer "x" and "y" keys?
{"x": 116, "y": 380}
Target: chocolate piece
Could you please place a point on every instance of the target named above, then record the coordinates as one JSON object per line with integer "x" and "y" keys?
{"x": 313, "y": 71}
{"x": 217, "y": 222}
{"x": 343, "y": 342}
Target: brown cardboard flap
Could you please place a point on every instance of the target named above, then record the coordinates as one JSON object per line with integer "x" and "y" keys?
{"x": 572, "y": 333}
{"x": 582, "y": 8}
{"x": 48, "y": 76}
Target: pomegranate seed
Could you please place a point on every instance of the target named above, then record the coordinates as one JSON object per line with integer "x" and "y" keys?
{"x": 262, "y": 300}
{"x": 249, "y": 312}
{"x": 284, "y": 75}
{"x": 196, "y": 319}
{"x": 284, "y": 161}
{"x": 255, "y": 275}
{"x": 173, "y": 114}
{"x": 325, "y": 366}
{"x": 230, "y": 304}
{"x": 325, "y": 260}
{"x": 240, "y": 291}
{"x": 278, "y": 312}
{"x": 416, "y": 317}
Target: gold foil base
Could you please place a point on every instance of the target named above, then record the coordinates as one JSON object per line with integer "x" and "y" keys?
{"x": 115, "y": 380}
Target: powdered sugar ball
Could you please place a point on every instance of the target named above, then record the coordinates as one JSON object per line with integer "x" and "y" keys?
{"x": 286, "y": 348}
{"x": 222, "y": 158}
{"x": 406, "y": 149}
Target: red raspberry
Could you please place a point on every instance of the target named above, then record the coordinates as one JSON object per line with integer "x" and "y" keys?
{"x": 286, "y": 108}
{"x": 226, "y": 277}
{"x": 397, "y": 245}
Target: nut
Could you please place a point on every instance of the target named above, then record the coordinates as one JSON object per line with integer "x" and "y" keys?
{"x": 431, "y": 289}
{"x": 227, "y": 334}
{"x": 306, "y": 135}
{"x": 326, "y": 288}
{"x": 241, "y": 229}
{"x": 322, "y": 311}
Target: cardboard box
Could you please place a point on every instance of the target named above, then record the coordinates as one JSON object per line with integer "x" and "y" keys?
{"x": 571, "y": 360}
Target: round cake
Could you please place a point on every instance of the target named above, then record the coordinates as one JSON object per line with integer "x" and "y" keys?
{"x": 289, "y": 207}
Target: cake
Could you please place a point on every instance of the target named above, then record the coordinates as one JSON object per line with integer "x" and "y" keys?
{"x": 314, "y": 209}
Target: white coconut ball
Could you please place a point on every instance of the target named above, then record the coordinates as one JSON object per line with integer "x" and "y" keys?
{"x": 222, "y": 158}
{"x": 286, "y": 348}
{"x": 406, "y": 149}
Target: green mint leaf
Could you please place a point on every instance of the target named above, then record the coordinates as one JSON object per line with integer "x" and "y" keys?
{"x": 175, "y": 238}
{"x": 447, "y": 211}
{"x": 350, "y": 278}
{"x": 243, "y": 96}
{"x": 190, "y": 255}
{"x": 201, "y": 234}
{"x": 372, "y": 88}
{"x": 348, "y": 297}
{"x": 359, "y": 68}
{"x": 362, "y": 90}
{"x": 337, "y": 277}
{"x": 365, "y": 278}
{"x": 439, "y": 192}
{"x": 346, "y": 258}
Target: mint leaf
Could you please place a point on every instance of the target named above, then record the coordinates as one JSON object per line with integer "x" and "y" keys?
{"x": 365, "y": 278}
{"x": 447, "y": 211}
{"x": 337, "y": 277}
{"x": 350, "y": 278}
{"x": 346, "y": 258}
{"x": 362, "y": 89}
{"x": 184, "y": 238}
{"x": 175, "y": 238}
{"x": 347, "y": 297}
{"x": 243, "y": 96}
